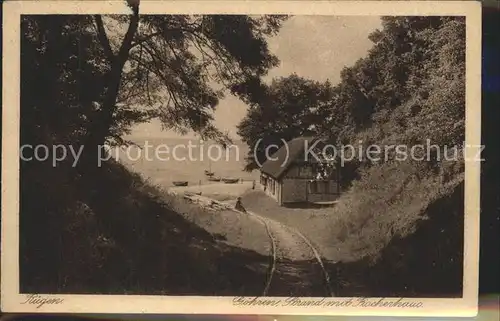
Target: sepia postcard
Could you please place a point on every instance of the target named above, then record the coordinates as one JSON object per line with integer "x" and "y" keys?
{"x": 241, "y": 157}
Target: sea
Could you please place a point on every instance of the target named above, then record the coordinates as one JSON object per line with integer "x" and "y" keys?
{"x": 165, "y": 160}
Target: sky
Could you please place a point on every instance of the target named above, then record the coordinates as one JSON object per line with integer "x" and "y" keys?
{"x": 313, "y": 47}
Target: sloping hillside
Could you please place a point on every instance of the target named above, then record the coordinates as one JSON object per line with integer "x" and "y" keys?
{"x": 121, "y": 235}
{"x": 400, "y": 234}
{"x": 397, "y": 118}
{"x": 399, "y": 226}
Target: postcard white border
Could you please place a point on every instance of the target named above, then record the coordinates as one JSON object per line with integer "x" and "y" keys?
{"x": 11, "y": 299}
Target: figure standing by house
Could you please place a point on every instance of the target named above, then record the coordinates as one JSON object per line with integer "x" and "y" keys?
{"x": 239, "y": 206}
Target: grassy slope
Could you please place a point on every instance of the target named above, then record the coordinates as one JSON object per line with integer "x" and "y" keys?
{"x": 399, "y": 232}
{"x": 399, "y": 227}
{"x": 392, "y": 220}
{"x": 118, "y": 235}
{"x": 427, "y": 262}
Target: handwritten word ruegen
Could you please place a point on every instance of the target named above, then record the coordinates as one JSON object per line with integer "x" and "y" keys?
{"x": 39, "y": 301}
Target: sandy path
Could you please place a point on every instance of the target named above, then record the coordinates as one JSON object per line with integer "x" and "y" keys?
{"x": 297, "y": 272}
{"x": 289, "y": 245}
{"x": 295, "y": 268}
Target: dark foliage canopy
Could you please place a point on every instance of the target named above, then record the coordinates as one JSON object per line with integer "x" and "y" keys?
{"x": 91, "y": 78}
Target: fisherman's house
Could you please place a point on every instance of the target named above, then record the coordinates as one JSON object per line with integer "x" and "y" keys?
{"x": 295, "y": 175}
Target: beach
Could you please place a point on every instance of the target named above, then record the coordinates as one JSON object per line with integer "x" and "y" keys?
{"x": 186, "y": 160}
{"x": 218, "y": 191}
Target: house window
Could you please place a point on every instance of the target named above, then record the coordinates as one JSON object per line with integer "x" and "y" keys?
{"x": 320, "y": 187}
{"x": 305, "y": 171}
{"x": 313, "y": 187}
{"x": 334, "y": 187}
{"x": 323, "y": 187}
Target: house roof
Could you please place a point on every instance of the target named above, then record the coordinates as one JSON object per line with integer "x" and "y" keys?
{"x": 281, "y": 160}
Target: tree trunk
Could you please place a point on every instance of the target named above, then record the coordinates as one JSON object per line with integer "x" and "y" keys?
{"x": 103, "y": 120}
